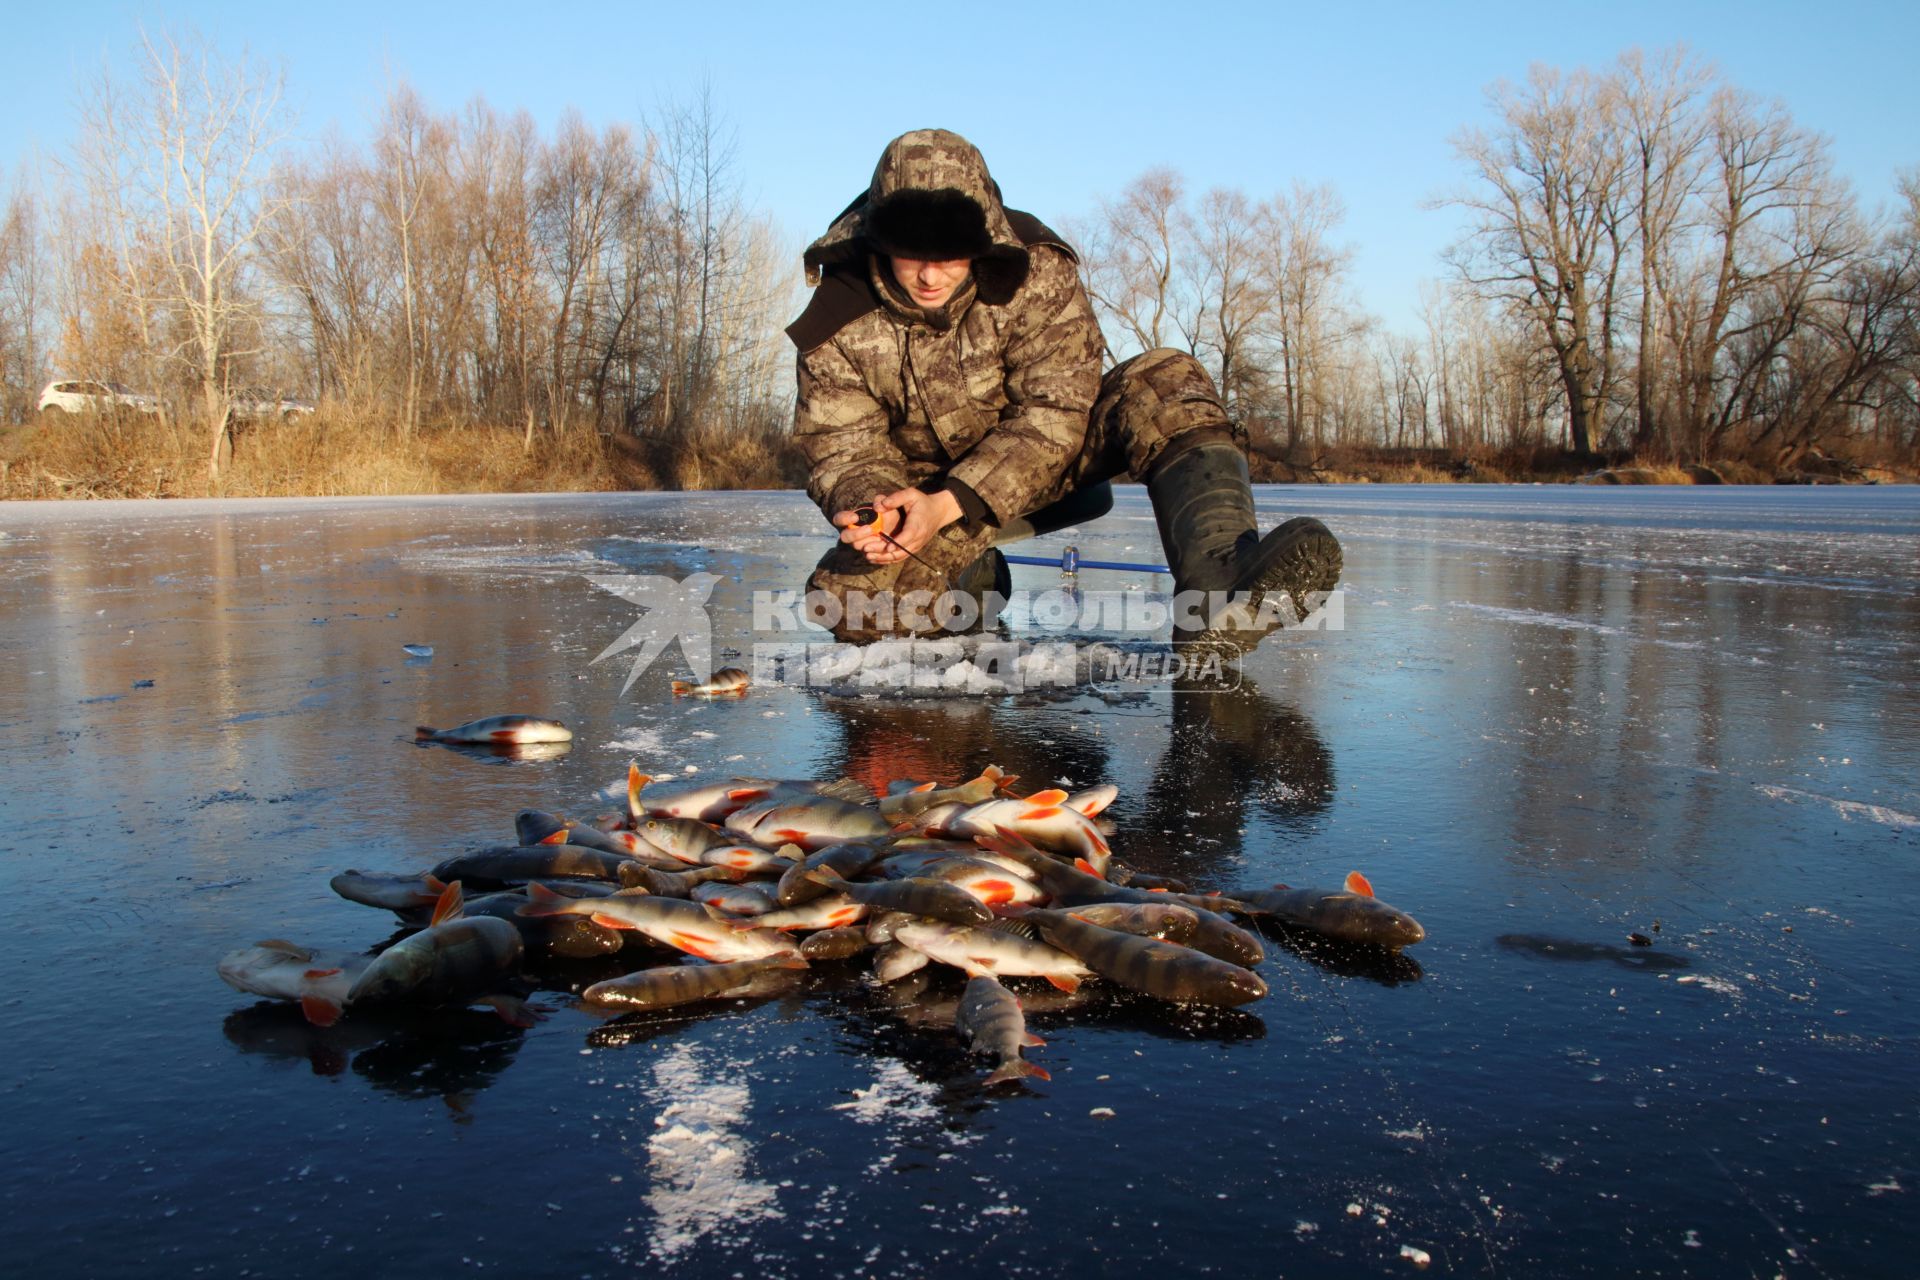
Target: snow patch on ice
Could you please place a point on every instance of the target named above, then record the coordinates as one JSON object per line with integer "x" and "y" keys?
{"x": 1845, "y": 808}
{"x": 638, "y": 742}
{"x": 696, "y": 1160}
{"x": 897, "y": 1096}
{"x": 950, "y": 666}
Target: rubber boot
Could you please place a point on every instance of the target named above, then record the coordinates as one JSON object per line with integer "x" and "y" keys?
{"x": 1203, "y": 502}
{"x": 1077, "y": 507}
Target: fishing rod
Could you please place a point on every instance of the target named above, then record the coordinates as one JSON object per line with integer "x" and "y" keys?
{"x": 1070, "y": 562}
{"x": 867, "y": 517}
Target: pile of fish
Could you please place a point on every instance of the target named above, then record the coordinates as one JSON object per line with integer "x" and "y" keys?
{"x": 728, "y": 890}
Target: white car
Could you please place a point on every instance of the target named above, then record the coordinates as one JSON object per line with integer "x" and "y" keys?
{"x": 94, "y": 397}
{"x": 253, "y": 404}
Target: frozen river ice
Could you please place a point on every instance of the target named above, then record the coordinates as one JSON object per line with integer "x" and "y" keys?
{"x": 1552, "y": 718}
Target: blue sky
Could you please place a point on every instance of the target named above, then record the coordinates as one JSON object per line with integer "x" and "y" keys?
{"x": 1067, "y": 102}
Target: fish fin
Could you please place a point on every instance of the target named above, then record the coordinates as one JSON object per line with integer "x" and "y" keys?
{"x": 290, "y": 949}
{"x": 1032, "y": 1041}
{"x": 1357, "y": 883}
{"x": 744, "y": 924}
{"x": 636, "y": 782}
{"x": 513, "y": 1010}
{"x": 630, "y": 891}
{"x": 542, "y": 901}
{"x": 681, "y": 687}
{"x": 431, "y": 887}
{"x": 1281, "y": 885}
{"x": 925, "y": 786}
{"x": 791, "y": 852}
{"x": 692, "y": 944}
{"x": 424, "y": 733}
{"x": 606, "y": 921}
{"x": 451, "y": 903}
{"x": 979, "y": 791}
{"x": 1035, "y": 815}
{"x": 1010, "y": 837}
{"x": 1005, "y": 782}
{"x": 1068, "y": 985}
{"x": 821, "y": 877}
{"x": 320, "y": 1011}
{"x": 791, "y": 960}
{"x": 790, "y": 835}
{"x": 982, "y": 968}
{"x": 316, "y": 974}
{"x": 1048, "y": 798}
{"x": 1083, "y": 865}
{"x": 850, "y": 789}
{"x": 747, "y": 793}
{"x": 558, "y": 837}
{"x": 1016, "y": 1069}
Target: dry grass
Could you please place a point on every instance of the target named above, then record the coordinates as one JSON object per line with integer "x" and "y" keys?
{"x": 332, "y": 455}
{"x": 339, "y": 455}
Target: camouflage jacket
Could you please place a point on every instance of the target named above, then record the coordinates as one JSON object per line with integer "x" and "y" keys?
{"x": 987, "y": 396}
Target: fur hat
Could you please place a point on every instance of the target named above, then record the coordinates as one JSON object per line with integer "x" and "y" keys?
{"x": 932, "y": 226}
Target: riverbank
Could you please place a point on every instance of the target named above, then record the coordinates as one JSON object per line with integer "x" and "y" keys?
{"x": 326, "y": 456}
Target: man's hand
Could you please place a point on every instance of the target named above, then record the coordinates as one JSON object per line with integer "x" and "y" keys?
{"x": 909, "y": 515}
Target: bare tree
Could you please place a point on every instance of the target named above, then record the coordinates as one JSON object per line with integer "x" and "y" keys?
{"x": 1130, "y": 254}
{"x": 407, "y": 149}
{"x": 1664, "y": 132}
{"x": 1231, "y": 305}
{"x": 23, "y": 299}
{"x": 1303, "y": 274}
{"x": 1776, "y": 229}
{"x": 182, "y": 166}
{"x": 1548, "y": 225}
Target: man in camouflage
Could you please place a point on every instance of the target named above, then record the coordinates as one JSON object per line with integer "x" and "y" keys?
{"x": 950, "y": 384}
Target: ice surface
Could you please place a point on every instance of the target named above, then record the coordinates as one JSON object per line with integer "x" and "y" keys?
{"x": 1553, "y": 719}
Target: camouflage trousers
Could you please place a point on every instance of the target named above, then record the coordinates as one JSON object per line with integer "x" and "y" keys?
{"x": 1146, "y": 404}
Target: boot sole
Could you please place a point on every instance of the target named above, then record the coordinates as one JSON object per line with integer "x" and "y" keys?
{"x": 1311, "y": 566}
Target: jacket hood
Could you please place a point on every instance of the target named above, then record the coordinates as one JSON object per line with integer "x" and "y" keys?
{"x": 932, "y": 197}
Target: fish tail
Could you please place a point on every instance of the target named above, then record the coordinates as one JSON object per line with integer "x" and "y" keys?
{"x": 1016, "y": 1069}
{"x": 681, "y": 688}
{"x": 422, "y": 733}
{"x": 636, "y": 780}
